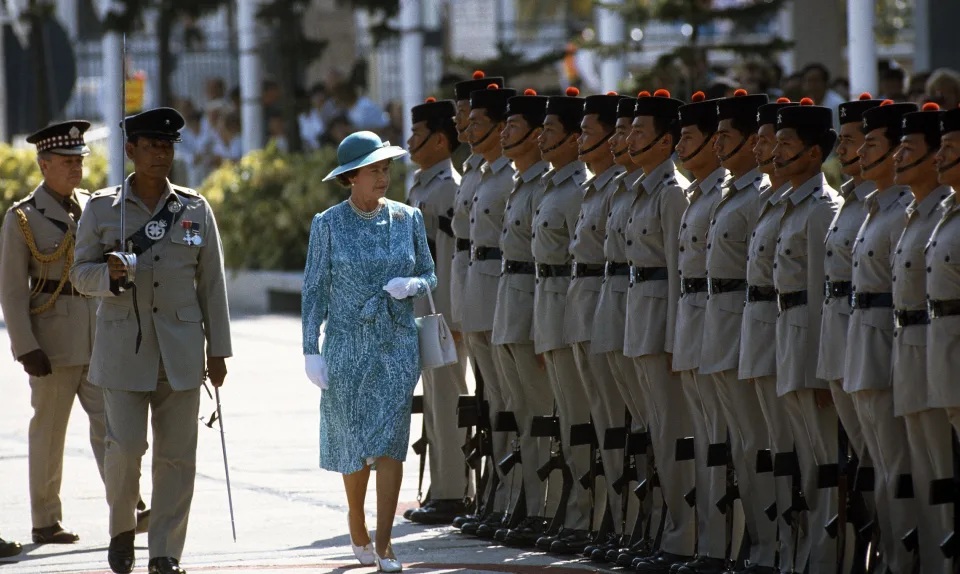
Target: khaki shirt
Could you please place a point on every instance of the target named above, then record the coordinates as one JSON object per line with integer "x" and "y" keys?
{"x": 942, "y": 255}
{"x": 181, "y": 293}
{"x": 513, "y": 319}
{"x": 486, "y": 223}
{"x": 64, "y": 332}
{"x": 608, "y": 324}
{"x": 870, "y": 331}
{"x": 554, "y": 219}
{"x": 461, "y": 230}
{"x": 758, "y": 358}
{"x": 910, "y": 383}
{"x": 692, "y": 264}
{"x": 731, "y": 225}
{"x": 799, "y": 267}
{"x": 587, "y": 248}
{"x": 433, "y": 194}
{"x": 838, "y": 266}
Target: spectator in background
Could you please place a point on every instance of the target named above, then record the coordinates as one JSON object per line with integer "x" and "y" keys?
{"x": 754, "y": 77}
{"x": 793, "y": 86}
{"x": 362, "y": 112}
{"x": 816, "y": 85}
{"x": 277, "y": 131}
{"x": 943, "y": 87}
{"x": 333, "y": 79}
{"x": 311, "y": 121}
{"x": 917, "y": 88}
{"x": 722, "y": 87}
{"x": 842, "y": 87}
{"x": 234, "y": 98}
{"x": 891, "y": 83}
{"x": 338, "y": 128}
{"x": 394, "y": 131}
{"x": 228, "y": 145}
{"x": 191, "y": 146}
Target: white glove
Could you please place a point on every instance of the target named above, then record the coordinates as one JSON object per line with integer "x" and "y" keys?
{"x": 403, "y": 287}
{"x": 316, "y": 368}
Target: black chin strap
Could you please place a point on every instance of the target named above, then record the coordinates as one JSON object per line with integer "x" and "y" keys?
{"x": 602, "y": 141}
{"x": 736, "y": 150}
{"x": 485, "y": 136}
{"x": 697, "y": 151}
{"x": 849, "y": 163}
{"x": 764, "y": 162}
{"x": 622, "y": 151}
{"x": 781, "y": 165}
{"x": 649, "y": 146}
{"x": 423, "y": 143}
{"x": 521, "y": 140}
{"x": 949, "y": 166}
{"x": 558, "y": 144}
{"x": 883, "y": 158}
{"x": 910, "y": 166}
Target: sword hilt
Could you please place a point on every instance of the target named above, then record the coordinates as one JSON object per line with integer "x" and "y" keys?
{"x": 129, "y": 261}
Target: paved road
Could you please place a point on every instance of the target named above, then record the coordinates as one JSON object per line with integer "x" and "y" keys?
{"x": 290, "y": 516}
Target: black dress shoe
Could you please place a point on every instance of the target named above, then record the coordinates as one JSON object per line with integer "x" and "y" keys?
{"x": 164, "y": 565}
{"x": 120, "y": 555}
{"x": 143, "y": 521}
{"x": 573, "y": 543}
{"x": 600, "y": 542}
{"x": 9, "y": 548}
{"x": 660, "y": 563}
{"x": 462, "y": 519}
{"x": 408, "y": 512}
{"x": 438, "y": 512}
{"x": 703, "y": 565}
{"x": 55, "y": 534}
{"x": 643, "y": 548}
{"x": 544, "y": 542}
{"x": 471, "y": 527}
{"x": 526, "y": 534}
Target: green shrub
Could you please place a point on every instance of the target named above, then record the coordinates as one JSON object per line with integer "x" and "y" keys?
{"x": 265, "y": 203}
{"x": 20, "y": 174}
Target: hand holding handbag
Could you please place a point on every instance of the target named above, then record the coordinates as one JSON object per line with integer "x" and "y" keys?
{"x": 437, "y": 347}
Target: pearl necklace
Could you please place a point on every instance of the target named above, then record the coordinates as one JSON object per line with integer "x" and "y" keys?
{"x": 368, "y": 215}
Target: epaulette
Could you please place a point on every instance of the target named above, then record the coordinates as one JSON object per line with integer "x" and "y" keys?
{"x": 184, "y": 190}
{"x": 106, "y": 192}
{"x": 29, "y": 200}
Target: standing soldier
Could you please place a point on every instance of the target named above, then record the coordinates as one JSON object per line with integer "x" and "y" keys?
{"x": 50, "y": 324}
{"x": 928, "y": 429}
{"x": 149, "y": 351}
{"x": 868, "y": 370}
{"x": 433, "y": 140}
{"x": 805, "y": 137}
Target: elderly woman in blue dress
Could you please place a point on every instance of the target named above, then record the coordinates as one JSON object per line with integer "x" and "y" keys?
{"x": 368, "y": 258}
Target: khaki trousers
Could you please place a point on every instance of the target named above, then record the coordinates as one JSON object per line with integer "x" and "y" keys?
{"x": 174, "y": 421}
{"x": 748, "y": 435}
{"x": 703, "y": 404}
{"x": 449, "y": 479}
{"x": 573, "y": 408}
{"x": 528, "y": 394}
{"x": 52, "y": 400}
{"x": 669, "y": 421}
{"x": 931, "y": 458}
{"x": 781, "y": 441}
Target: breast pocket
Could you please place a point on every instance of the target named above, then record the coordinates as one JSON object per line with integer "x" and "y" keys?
{"x": 551, "y": 221}
{"x": 733, "y": 230}
{"x": 762, "y": 246}
{"x": 112, "y": 313}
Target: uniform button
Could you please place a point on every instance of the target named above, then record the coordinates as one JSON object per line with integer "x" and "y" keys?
{"x": 605, "y": 235}
{"x": 486, "y": 211}
{"x": 544, "y": 223}
{"x": 517, "y": 222}
{"x": 894, "y": 278}
{"x": 787, "y": 251}
{"x": 899, "y": 251}
{"x": 156, "y": 258}
{"x": 619, "y": 230}
{"x": 774, "y": 265}
{"x": 901, "y": 193}
{"x": 829, "y": 253}
{"x": 575, "y": 235}
{"x": 761, "y": 248}
{"x": 835, "y": 228}
{"x": 472, "y": 220}
{"x": 929, "y": 270}
{"x": 629, "y": 242}
{"x": 156, "y": 283}
{"x": 907, "y": 265}
{"x": 946, "y": 259}
{"x": 694, "y": 239}
{"x": 684, "y": 226}
{"x": 593, "y": 228}
{"x": 465, "y": 202}
{"x": 714, "y": 222}
{"x": 476, "y": 199}
{"x": 847, "y": 242}
{"x": 631, "y": 221}
{"x": 609, "y": 214}
{"x": 725, "y": 236}
{"x": 154, "y": 309}
{"x": 754, "y": 234}
{"x": 537, "y": 212}
{"x": 532, "y": 235}
{"x": 861, "y": 240}
{"x": 709, "y": 245}
{"x": 870, "y": 253}
{"x": 856, "y": 264}
{"x": 682, "y": 249}
{"x": 779, "y": 239}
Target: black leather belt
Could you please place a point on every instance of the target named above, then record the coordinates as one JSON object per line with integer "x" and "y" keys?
{"x": 761, "y": 293}
{"x": 544, "y": 270}
{"x": 586, "y": 270}
{"x": 905, "y": 318}
{"x": 463, "y": 245}
{"x": 717, "y": 286}
{"x": 50, "y": 286}
{"x": 795, "y": 299}
{"x": 612, "y": 268}
{"x": 694, "y": 285}
{"x": 868, "y": 300}
{"x": 518, "y": 267}
{"x": 837, "y": 289}
{"x": 640, "y": 274}
{"x": 943, "y": 308}
{"x": 481, "y": 253}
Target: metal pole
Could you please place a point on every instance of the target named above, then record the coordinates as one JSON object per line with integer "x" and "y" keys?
{"x": 861, "y": 46}
{"x": 411, "y": 54}
{"x": 112, "y": 98}
{"x": 251, "y": 114}
{"x": 611, "y": 31}
{"x": 4, "y": 129}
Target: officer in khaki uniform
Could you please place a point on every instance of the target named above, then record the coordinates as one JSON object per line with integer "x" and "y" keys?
{"x": 931, "y": 455}
{"x": 435, "y": 184}
{"x": 50, "y": 324}
{"x": 731, "y": 224}
{"x": 156, "y": 342}
{"x": 868, "y": 371}
{"x": 554, "y": 220}
{"x": 805, "y": 137}
{"x": 524, "y": 381}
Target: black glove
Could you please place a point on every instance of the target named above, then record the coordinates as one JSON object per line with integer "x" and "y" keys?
{"x": 36, "y": 363}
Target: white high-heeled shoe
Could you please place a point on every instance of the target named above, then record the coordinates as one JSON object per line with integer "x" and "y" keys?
{"x": 365, "y": 554}
{"x": 388, "y": 564}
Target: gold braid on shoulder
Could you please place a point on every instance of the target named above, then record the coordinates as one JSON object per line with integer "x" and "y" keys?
{"x": 65, "y": 252}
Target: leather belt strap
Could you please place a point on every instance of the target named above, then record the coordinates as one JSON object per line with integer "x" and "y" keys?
{"x": 518, "y": 267}
{"x": 544, "y": 270}
{"x": 717, "y": 286}
{"x": 463, "y": 245}
{"x": 868, "y": 300}
{"x": 795, "y": 299}
{"x": 693, "y": 285}
{"x": 640, "y": 274}
{"x": 943, "y": 308}
{"x": 905, "y": 318}
{"x": 50, "y": 286}
{"x": 481, "y": 253}
{"x": 586, "y": 270}
{"x": 837, "y": 289}
{"x": 761, "y": 293}
{"x": 613, "y": 268}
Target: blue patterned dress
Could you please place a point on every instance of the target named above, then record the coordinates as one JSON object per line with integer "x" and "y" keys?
{"x": 370, "y": 343}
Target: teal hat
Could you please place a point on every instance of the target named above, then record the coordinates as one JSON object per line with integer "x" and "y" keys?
{"x": 362, "y": 148}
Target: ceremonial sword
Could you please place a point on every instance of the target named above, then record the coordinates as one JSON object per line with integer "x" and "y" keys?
{"x": 226, "y": 467}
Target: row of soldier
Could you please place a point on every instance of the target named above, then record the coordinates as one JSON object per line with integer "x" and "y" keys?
{"x": 746, "y": 372}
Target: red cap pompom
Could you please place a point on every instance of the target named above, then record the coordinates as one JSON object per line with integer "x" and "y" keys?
{"x": 430, "y": 100}
{"x": 612, "y": 93}
{"x": 493, "y": 87}
{"x": 865, "y": 96}
{"x": 782, "y": 100}
{"x": 572, "y": 92}
{"x": 479, "y": 75}
{"x": 698, "y": 97}
{"x": 739, "y": 93}
{"x": 529, "y": 92}
{"x": 643, "y": 94}
{"x": 661, "y": 93}
{"x": 806, "y": 102}
{"x": 886, "y": 103}
{"x": 930, "y": 107}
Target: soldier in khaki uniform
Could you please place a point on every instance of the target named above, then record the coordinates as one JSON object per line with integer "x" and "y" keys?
{"x": 928, "y": 429}
{"x": 50, "y": 324}
{"x": 686, "y": 331}
{"x": 805, "y": 137}
{"x": 524, "y": 379}
{"x": 868, "y": 372}
{"x": 435, "y": 184}
{"x": 554, "y": 220}
{"x": 731, "y": 224}
{"x": 156, "y": 342}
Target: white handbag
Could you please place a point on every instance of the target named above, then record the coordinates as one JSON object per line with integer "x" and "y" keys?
{"x": 437, "y": 348}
